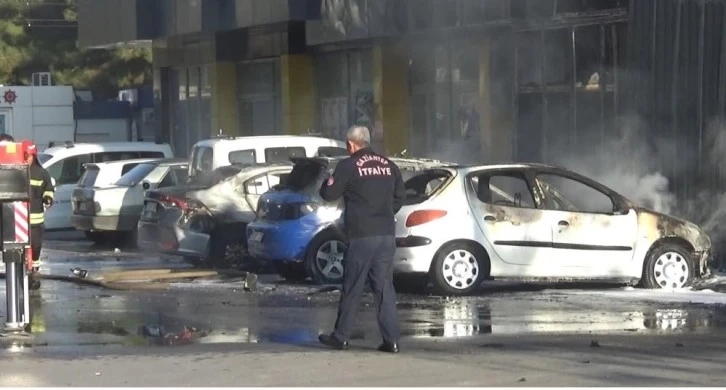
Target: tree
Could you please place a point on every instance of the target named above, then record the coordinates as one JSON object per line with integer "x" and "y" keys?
{"x": 42, "y": 35}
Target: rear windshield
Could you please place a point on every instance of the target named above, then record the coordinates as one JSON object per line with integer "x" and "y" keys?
{"x": 423, "y": 184}
{"x": 306, "y": 174}
{"x": 243, "y": 157}
{"x": 89, "y": 176}
{"x": 332, "y": 151}
{"x": 282, "y": 155}
{"x": 43, "y": 157}
{"x": 135, "y": 175}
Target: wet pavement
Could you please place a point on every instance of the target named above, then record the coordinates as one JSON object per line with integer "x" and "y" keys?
{"x": 69, "y": 319}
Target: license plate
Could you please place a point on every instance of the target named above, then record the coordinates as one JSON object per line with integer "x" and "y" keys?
{"x": 150, "y": 208}
{"x": 257, "y": 236}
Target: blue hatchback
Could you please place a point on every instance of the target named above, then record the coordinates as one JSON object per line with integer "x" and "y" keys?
{"x": 296, "y": 230}
{"x": 301, "y": 234}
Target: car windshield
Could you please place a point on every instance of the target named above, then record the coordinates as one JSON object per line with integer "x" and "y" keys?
{"x": 135, "y": 175}
{"x": 43, "y": 157}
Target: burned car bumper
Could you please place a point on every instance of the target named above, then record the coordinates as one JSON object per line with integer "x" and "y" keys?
{"x": 281, "y": 241}
{"x": 165, "y": 236}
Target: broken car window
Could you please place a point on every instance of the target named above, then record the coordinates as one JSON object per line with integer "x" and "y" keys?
{"x": 572, "y": 195}
{"x": 503, "y": 190}
{"x": 420, "y": 187}
{"x": 257, "y": 185}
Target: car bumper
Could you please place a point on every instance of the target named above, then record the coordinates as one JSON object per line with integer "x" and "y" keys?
{"x": 104, "y": 222}
{"x": 413, "y": 254}
{"x": 165, "y": 236}
{"x": 283, "y": 241}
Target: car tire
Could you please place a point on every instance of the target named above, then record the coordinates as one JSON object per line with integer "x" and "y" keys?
{"x": 410, "y": 283}
{"x": 668, "y": 266}
{"x": 459, "y": 268}
{"x": 322, "y": 244}
{"x": 228, "y": 248}
{"x": 293, "y": 272}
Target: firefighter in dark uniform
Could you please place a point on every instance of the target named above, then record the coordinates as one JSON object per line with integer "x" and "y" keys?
{"x": 373, "y": 190}
{"x": 41, "y": 197}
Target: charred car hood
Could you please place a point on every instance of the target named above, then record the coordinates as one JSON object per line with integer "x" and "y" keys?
{"x": 669, "y": 226}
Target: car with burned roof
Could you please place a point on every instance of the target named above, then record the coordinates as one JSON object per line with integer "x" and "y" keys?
{"x": 299, "y": 233}
{"x": 205, "y": 222}
{"x": 463, "y": 225}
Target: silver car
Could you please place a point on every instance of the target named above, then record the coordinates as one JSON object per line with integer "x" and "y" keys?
{"x": 463, "y": 225}
{"x": 206, "y": 223}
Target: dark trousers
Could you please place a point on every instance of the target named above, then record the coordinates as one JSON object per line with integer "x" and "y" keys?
{"x": 371, "y": 259}
{"x": 36, "y": 241}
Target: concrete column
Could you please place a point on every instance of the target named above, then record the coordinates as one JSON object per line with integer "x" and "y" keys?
{"x": 224, "y": 98}
{"x": 298, "y": 93}
{"x": 391, "y": 97}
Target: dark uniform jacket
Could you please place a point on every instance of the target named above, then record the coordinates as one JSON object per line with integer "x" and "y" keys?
{"x": 41, "y": 190}
{"x": 373, "y": 190}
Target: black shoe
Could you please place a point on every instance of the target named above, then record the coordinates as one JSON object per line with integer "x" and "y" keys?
{"x": 331, "y": 341}
{"x": 388, "y": 347}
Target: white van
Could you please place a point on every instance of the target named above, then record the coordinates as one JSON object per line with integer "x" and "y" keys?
{"x": 210, "y": 154}
{"x": 65, "y": 164}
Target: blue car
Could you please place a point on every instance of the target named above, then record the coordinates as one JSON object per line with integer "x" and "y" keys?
{"x": 298, "y": 232}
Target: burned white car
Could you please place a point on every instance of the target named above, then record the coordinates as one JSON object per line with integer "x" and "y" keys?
{"x": 206, "y": 223}
{"x": 463, "y": 225}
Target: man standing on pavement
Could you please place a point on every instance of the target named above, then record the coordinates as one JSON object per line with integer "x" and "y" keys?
{"x": 372, "y": 188}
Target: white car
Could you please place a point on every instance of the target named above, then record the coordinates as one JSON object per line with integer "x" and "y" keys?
{"x": 210, "y": 154}
{"x": 463, "y": 225}
{"x": 65, "y": 164}
{"x": 110, "y": 212}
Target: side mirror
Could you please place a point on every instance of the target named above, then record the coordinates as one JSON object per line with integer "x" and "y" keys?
{"x": 145, "y": 185}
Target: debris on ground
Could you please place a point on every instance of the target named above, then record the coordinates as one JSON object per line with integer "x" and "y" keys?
{"x": 250, "y": 282}
{"x": 680, "y": 345}
{"x": 81, "y": 273}
{"x": 522, "y": 380}
{"x": 158, "y": 335}
{"x": 594, "y": 344}
{"x": 325, "y": 289}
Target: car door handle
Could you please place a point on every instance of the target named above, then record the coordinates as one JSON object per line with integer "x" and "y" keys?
{"x": 490, "y": 218}
{"x": 563, "y": 223}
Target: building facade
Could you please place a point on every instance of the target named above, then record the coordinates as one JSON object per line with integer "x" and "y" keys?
{"x": 465, "y": 80}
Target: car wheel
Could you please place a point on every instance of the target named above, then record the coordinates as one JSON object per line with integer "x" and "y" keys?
{"x": 410, "y": 283}
{"x": 294, "y": 272}
{"x": 324, "y": 260}
{"x": 668, "y": 266}
{"x": 228, "y": 249}
{"x": 459, "y": 269}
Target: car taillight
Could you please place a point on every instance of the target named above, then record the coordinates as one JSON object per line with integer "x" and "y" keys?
{"x": 173, "y": 202}
{"x": 420, "y": 217}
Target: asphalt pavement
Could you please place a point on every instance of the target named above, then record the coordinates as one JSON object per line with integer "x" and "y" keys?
{"x": 213, "y": 332}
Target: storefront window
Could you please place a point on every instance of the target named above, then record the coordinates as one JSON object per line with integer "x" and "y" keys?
{"x": 345, "y": 93}
{"x": 446, "y": 117}
{"x": 259, "y": 97}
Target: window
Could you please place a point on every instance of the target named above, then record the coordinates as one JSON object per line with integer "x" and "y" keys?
{"x": 181, "y": 175}
{"x": 69, "y": 170}
{"x": 332, "y": 151}
{"x": 504, "y": 190}
{"x": 571, "y": 195}
{"x": 278, "y": 155}
{"x": 421, "y": 185}
{"x": 257, "y": 186}
{"x": 114, "y": 156}
{"x": 42, "y": 157}
{"x": 243, "y": 157}
{"x": 203, "y": 159}
{"x": 89, "y": 177}
{"x": 133, "y": 174}
{"x": 168, "y": 180}
{"x": 151, "y": 155}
